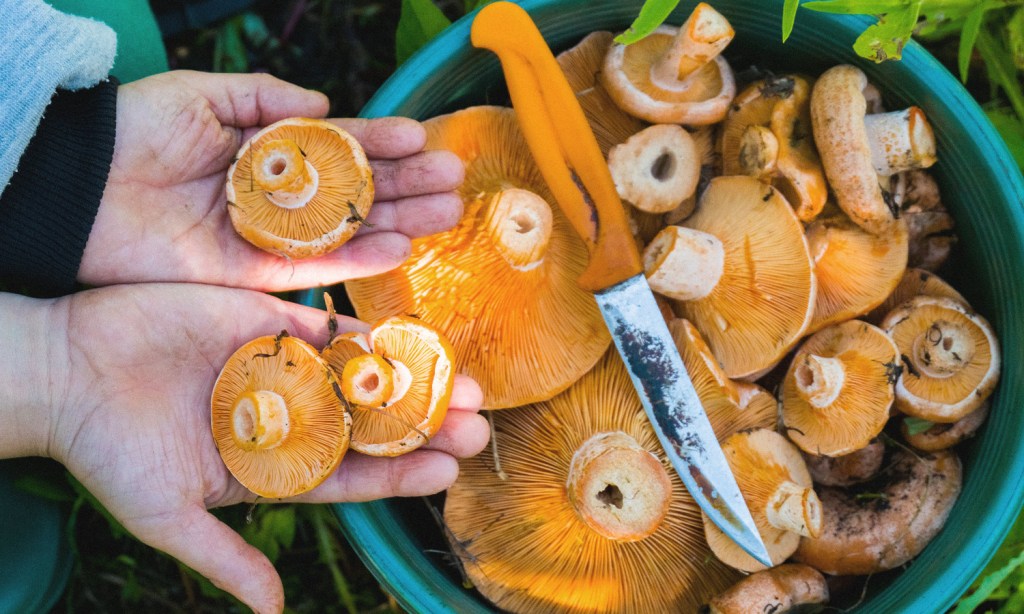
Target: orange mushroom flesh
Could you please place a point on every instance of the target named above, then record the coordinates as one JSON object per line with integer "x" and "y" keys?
{"x": 856, "y": 270}
{"x": 583, "y": 520}
{"x": 838, "y": 390}
{"x": 951, "y": 358}
{"x": 277, "y": 421}
{"x": 397, "y": 381}
{"x": 914, "y": 282}
{"x": 767, "y": 134}
{"x": 777, "y": 488}
{"x": 674, "y": 75}
{"x": 499, "y": 284}
{"x": 763, "y": 300}
{"x": 299, "y": 188}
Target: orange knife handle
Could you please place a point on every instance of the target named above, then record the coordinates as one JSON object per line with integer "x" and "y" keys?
{"x": 562, "y": 142}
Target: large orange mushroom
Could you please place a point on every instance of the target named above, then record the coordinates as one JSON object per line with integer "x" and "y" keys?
{"x": 299, "y": 188}
{"x": 502, "y": 285}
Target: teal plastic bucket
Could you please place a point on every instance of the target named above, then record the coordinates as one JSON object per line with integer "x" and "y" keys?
{"x": 400, "y": 541}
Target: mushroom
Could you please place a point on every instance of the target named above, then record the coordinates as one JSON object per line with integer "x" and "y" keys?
{"x": 942, "y": 436}
{"x": 849, "y": 469}
{"x": 277, "y": 421}
{"x": 914, "y": 282}
{"x": 755, "y": 291}
{"x": 590, "y": 516}
{"x": 299, "y": 188}
{"x": 397, "y": 380}
{"x": 930, "y": 225}
{"x": 778, "y": 490}
{"x": 856, "y": 270}
{"x": 860, "y": 150}
{"x": 656, "y": 169}
{"x": 767, "y": 134}
{"x": 674, "y": 75}
{"x": 839, "y": 388}
{"x": 950, "y": 354}
{"x": 785, "y": 588}
{"x": 885, "y": 523}
{"x": 501, "y": 285}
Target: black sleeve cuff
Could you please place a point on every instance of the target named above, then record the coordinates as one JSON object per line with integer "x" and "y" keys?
{"x": 48, "y": 209}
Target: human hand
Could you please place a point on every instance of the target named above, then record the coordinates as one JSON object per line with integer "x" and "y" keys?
{"x": 163, "y": 216}
{"x": 133, "y": 368}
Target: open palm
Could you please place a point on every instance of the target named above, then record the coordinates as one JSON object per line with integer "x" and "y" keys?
{"x": 163, "y": 216}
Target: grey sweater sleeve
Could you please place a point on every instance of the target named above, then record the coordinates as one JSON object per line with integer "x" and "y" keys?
{"x": 43, "y": 50}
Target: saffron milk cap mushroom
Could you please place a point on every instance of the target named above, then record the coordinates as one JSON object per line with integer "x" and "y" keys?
{"x": 785, "y": 588}
{"x": 849, "y": 469}
{"x": 278, "y": 423}
{"x": 398, "y": 379}
{"x": 753, "y": 289}
{"x": 674, "y": 75}
{"x": 914, "y": 282}
{"x": 778, "y": 490}
{"x": 501, "y": 285}
{"x": 656, "y": 169}
{"x": 299, "y": 188}
{"x": 941, "y": 436}
{"x": 839, "y": 387}
{"x": 950, "y": 355}
{"x": 857, "y": 149}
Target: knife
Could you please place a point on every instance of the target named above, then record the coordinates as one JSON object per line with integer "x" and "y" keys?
{"x": 566, "y": 151}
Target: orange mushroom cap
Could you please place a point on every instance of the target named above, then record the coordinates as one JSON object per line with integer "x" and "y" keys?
{"x": 839, "y": 388}
{"x": 914, "y": 282}
{"x": 277, "y": 421}
{"x": 398, "y": 379}
{"x": 299, "y": 188}
{"x": 502, "y": 285}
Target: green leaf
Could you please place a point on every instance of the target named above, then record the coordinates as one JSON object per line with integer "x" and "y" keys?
{"x": 45, "y": 488}
{"x": 789, "y": 17}
{"x": 858, "y": 7}
{"x": 652, "y": 14}
{"x": 1001, "y": 70}
{"x": 885, "y": 40}
{"x": 968, "y": 36}
{"x": 229, "y": 54}
{"x": 1011, "y": 128}
{"x": 989, "y": 583}
{"x": 273, "y": 530}
{"x": 420, "y": 21}
{"x": 1015, "y": 37}
{"x": 916, "y": 426}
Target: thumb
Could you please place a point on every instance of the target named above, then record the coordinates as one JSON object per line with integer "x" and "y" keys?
{"x": 205, "y": 544}
{"x": 254, "y": 100}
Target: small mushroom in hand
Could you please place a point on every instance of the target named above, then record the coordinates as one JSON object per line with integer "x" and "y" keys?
{"x": 299, "y": 188}
{"x": 860, "y": 151}
{"x": 785, "y": 588}
{"x": 674, "y": 75}
{"x": 950, "y": 354}
{"x": 778, "y": 490}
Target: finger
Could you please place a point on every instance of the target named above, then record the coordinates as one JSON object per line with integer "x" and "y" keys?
{"x": 416, "y": 216}
{"x": 386, "y": 137}
{"x": 366, "y": 478}
{"x": 462, "y": 435}
{"x": 426, "y": 172}
{"x": 466, "y": 394}
{"x": 247, "y": 100}
{"x": 207, "y": 545}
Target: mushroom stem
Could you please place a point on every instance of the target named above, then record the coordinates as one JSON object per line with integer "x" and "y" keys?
{"x": 282, "y": 171}
{"x": 259, "y": 420}
{"x": 819, "y": 379}
{"x": 618, "y": 488}
{"x": 900, "y": 141}
{"x": 759, "y": 151}
{"x": 520, "y": 224}
{"x": 943, "y": 349}
{"x": 796, "y": 509}
{"x": 684, "y": 263}
{"x": 701, "y": 39}
{"x": 368, "y": 380}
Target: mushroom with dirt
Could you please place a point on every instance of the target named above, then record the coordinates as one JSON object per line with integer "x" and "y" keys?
{"x": 838, "y": 390}
{"x": 785, "y": 588}
{"x": 950, "y": 354}
{"x": 929, "y": 224}
{"x": 501, "y": 285}
{"x": 860, "y": 151}
{"x": 299, "y": 188}
{"x": 674, "y": 75}
{"x": 888, "y": 521}
{"x": 767, "y": 134}
{"x": 277, "y": 421}
{"x": 778, "y": 491}
{"x": 849, "y": 469}
{"x": 397, "y": 380}
{"x": 739, "y": 269}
